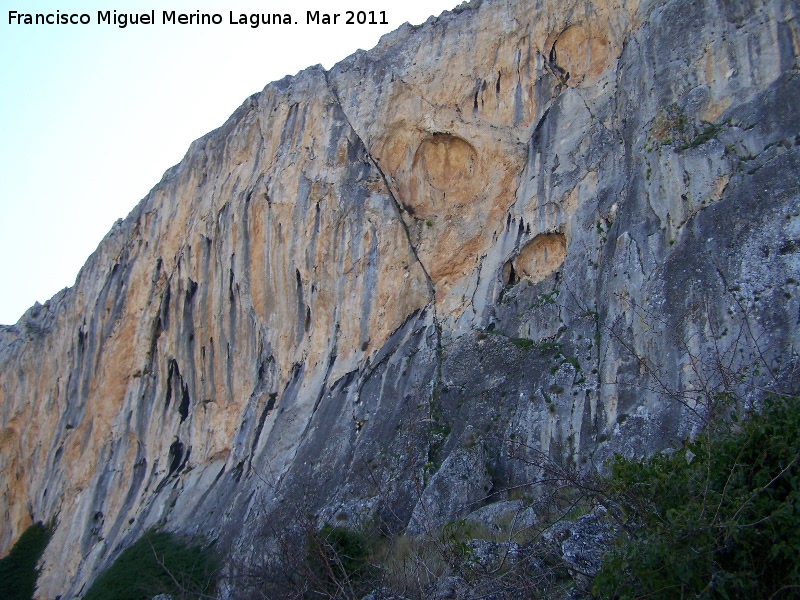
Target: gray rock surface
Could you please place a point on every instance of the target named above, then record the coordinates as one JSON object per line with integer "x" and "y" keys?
{"x": 582, "y": 544}
{"x": 461, "y": 483}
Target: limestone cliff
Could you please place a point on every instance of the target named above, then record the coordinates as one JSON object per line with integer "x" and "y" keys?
{"x": 297, "y": 313}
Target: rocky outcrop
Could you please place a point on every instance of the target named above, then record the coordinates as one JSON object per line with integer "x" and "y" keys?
{"x": 524, "y": 228}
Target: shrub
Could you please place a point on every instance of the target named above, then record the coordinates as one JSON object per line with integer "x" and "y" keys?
{"x": 18, "y": 572}
{"x": 720, "y": 518}
{"x": 669, "y": 126}
{"x": 158, "y": 563}
{"x": 336, "y": 561}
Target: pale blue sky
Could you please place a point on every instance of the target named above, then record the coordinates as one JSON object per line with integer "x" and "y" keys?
{"x": 92, "y": 115}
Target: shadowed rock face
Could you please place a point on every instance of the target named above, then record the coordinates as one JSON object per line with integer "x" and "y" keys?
{"x": 295, "y": 316}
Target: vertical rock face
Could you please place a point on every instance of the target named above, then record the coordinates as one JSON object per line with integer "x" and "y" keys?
{"x": 296, "y": 315}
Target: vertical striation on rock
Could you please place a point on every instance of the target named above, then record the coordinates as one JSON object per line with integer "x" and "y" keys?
{"x": 296, "y": 315}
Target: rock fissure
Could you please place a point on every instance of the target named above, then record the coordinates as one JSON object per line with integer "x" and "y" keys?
{"x": 388, "y": 188}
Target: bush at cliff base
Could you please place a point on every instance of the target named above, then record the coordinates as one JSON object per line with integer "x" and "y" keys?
{"x": 337, "y": 555}
{"x": 18, "y": 570}
{"x": 158, "y": 563}
{"x": 719, "y": 518}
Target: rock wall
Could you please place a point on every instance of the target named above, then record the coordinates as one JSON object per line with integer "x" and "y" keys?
{"x": 540, "y": 226}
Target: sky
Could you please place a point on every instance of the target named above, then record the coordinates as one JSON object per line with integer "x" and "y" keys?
{"x": 92, "y": 115}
